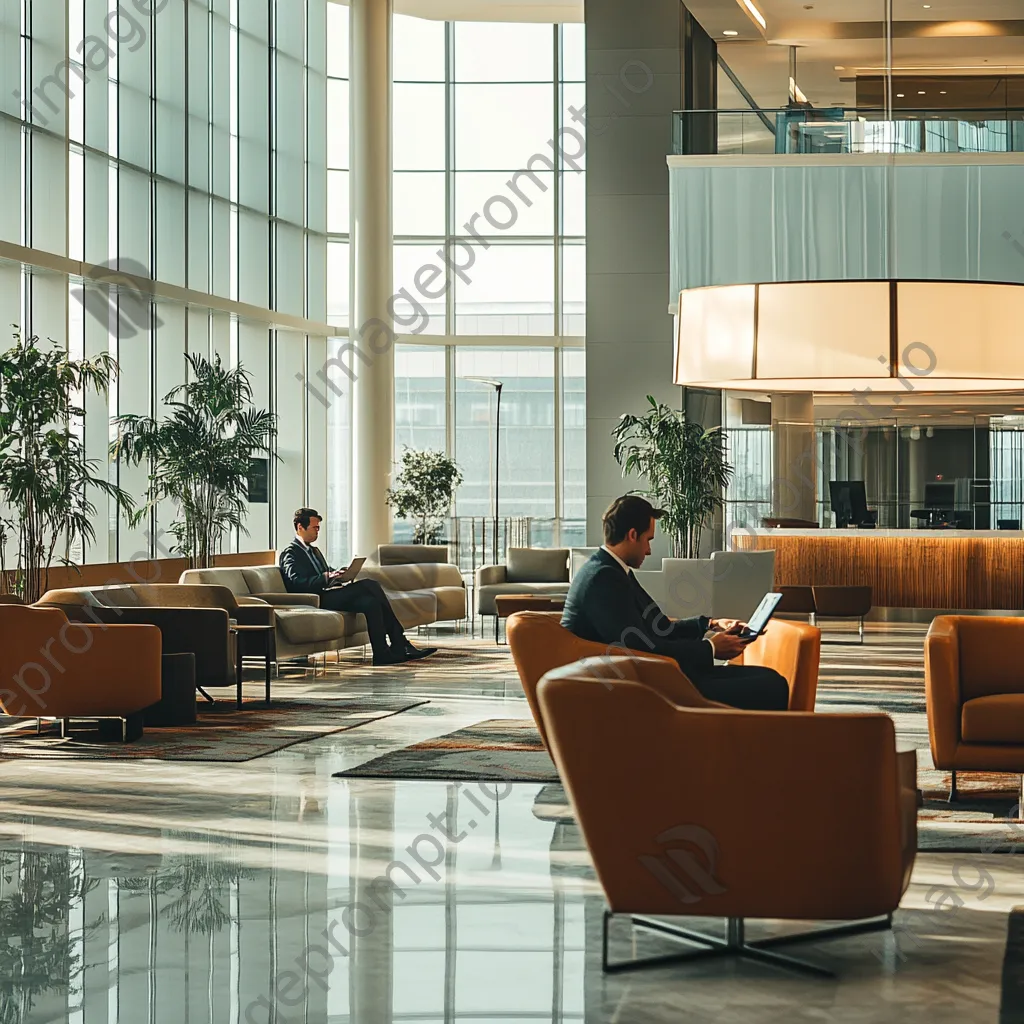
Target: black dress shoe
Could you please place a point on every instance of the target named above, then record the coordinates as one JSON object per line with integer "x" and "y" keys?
{"x": 391, "y": 658}
{"x": 418, "y": 653}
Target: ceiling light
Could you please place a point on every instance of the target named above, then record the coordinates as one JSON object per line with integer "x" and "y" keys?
{"x": 839, "y": 67}
{"x": 899, "y": 95}
{"x": 755, "y": 13}
{"x": 920, "y": 92}
{"x": 730, "y": 32}
{"x": 927, "y": 7}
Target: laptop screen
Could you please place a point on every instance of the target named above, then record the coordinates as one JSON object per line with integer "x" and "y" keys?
{"x": 763, "y": 612}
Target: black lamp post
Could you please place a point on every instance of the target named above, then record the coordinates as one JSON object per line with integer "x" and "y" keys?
{"x": 497, "y": 385}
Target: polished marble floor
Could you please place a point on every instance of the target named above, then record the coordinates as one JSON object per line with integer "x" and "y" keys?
{"x": 157, "y": 892}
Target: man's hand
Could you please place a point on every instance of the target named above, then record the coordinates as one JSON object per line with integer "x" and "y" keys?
{"x": 728, "y": 625}
{"x": 727, "y": 645}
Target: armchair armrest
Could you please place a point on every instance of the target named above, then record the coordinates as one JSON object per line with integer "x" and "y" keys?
{"x": 942, "y": 690}
{"x": 490, "y": 574}
{"x": 285, "y": 599}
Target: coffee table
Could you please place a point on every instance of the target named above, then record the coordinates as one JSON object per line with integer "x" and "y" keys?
{"x": 266, "y": 632}
{"x": 508, "y": 604}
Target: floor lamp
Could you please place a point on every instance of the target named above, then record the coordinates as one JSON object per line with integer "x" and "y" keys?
{"x": 497, "y": 385}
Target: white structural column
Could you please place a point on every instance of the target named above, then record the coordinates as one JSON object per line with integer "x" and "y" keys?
{"x": 373, "y": 363}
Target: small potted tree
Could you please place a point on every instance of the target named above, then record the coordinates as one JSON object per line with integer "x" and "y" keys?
{"x": 424, "y": 491}
{"x": 46, "y": 481}
{"x": 685, "y": 466}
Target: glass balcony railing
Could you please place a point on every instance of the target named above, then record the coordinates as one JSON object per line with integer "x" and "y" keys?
{"x": 848, "y": 130}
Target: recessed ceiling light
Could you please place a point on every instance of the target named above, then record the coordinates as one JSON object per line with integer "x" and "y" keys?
{"x": 927, "y": 7}
{"x": 899, "y": 95}
{"x": 920, "y": 92}
{"x": 730, "y": 32}
{"x": 942, "y": 92}
{"x": 839, "y": 67}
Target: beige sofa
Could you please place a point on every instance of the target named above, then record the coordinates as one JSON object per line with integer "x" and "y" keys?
{"x": 419, "y": 594}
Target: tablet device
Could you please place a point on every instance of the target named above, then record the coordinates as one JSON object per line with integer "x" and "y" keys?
{"x": 348, "y": 575}
{"x": 759, "y": 620}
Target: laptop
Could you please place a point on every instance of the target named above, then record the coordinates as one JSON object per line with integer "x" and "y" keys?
{"x": 762, "y": 614}
{"x": 348, "y": 575}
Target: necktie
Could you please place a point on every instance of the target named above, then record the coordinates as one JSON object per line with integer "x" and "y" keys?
{"x": 318, "y": 559}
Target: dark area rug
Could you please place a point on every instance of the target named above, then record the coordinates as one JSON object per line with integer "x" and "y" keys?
{"x": 221, "y": 733}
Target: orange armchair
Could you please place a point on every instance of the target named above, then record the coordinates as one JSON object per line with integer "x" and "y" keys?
{"x": 539, "y": 643}
{"x": 793, "y": 649}
{"x": 675, "y": 812}
{"x": 974, "y": 688}
{"x": 53, "y": 668}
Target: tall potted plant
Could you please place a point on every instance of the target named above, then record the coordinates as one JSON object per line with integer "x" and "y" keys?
{"x": 200, "y": 454}
{"x": 685, "y": 466}
{"x": 423, "y": 492}
{"x": 46, "y": 481}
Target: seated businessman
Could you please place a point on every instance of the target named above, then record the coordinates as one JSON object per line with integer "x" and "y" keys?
{"x": 606, "y": 604}
{"x": 305, "y": 571}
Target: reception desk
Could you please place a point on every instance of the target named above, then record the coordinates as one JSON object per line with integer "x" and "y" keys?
{"x": 954, "y": 570}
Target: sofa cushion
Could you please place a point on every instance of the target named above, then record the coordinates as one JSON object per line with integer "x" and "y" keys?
{"x": 537, "y": 565}
{"x": 451, "y": 603}
{"x": 313, "y": 625}
{"x": 995, "y": 719}
{"x": 423, "y": 576}
{"x": 233, "y": 579}
{"x": 263, "y": 579}
{"x": 413, "y": 607}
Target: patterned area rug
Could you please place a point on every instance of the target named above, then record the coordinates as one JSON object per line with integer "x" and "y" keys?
{"x": 885, "y": 674}
{"x": 220, "y": 734}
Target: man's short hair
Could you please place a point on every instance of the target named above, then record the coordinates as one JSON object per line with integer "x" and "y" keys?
{"x": 630, "y": 512}
{"x": 303, "y": 516}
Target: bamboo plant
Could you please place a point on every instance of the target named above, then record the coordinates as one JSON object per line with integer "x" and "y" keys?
{"x": 200, "y": 454}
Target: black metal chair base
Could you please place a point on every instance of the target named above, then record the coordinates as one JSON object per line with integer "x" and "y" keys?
{"x": 734, "y": 944}
{"x": 841, "y": 643}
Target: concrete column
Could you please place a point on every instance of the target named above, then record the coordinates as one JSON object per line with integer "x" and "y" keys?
{"x": 373, "y": 390}
{"x": 794, "y": 461}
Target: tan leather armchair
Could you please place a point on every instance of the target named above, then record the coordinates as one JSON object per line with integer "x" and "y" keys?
{"x": 974, "y": 687}
{"x": 714, "y": 812}
{"x": 53, "y": 668}
{"x": 793, "y": 649}
{"x": 539, "y": 643}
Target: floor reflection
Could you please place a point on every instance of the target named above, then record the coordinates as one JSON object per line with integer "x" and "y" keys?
{"x": 433, "y": 902}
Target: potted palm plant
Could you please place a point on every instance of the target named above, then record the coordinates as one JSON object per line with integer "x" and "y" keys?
{"x": 200, "y": 454}
{"x": 423, "y": 492}
{"x": 685, "y": 466}
{"x": 46, "y": 481}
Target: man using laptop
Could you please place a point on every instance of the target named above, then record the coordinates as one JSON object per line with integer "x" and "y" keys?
{"x": 606, "y": 604}
{"x": 305, "y": 571}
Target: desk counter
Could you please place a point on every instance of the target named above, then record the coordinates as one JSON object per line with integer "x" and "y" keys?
{"x": 946, "y": 569}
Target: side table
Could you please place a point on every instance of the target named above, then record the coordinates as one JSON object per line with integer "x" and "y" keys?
{"x": 177, "y": 704}
{"x": 266, "y": 633}
{"x": 509, "y": 604}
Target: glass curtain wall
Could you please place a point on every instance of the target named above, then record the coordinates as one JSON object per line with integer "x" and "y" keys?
{"x": 489, "y": 264}
{"x": 174, "y": 150}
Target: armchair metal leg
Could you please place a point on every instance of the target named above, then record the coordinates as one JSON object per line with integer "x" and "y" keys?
{"x": 860, "y": 629}
{"x": 206, "y": 695}
{"x": 952, "y": 787}
{"x": 734, "y": 944}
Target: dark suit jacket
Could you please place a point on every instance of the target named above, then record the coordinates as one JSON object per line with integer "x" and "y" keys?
{"x": 302, "y": 572}
{"x": 607, "y": 606}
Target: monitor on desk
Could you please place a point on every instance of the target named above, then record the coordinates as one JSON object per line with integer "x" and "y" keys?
{"x": 849, "y": 502}
{"x": 940, "y": 496}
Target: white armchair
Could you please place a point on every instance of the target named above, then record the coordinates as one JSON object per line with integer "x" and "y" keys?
{"x": 728, "y": 585}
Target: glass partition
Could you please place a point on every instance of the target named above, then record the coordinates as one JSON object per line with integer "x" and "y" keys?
{"x": 852, "y": 130}
{"x": 933, "y": 469}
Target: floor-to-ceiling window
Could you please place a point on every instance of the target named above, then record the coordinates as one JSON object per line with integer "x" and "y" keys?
{"x": 175, "y": 151}
{"x": 489, "y": 263}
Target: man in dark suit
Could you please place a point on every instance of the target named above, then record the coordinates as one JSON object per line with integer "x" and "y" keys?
{"x": 305, "y": 571}
{"x": 606, "y": 604}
